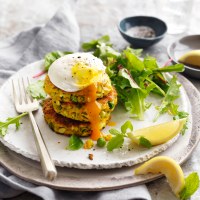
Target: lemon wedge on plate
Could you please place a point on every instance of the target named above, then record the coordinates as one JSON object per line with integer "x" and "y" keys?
{"x": 166, "y": 166}
{"x": 158, "y": 134}
{"x": 191, "y": 58}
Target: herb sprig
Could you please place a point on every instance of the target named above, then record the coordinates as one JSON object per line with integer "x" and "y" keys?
{"x": 118, "y": 140}
{"x": 191, "y": 186}
{"x": 11, "y": 120}
{"x": 36, "y": 90}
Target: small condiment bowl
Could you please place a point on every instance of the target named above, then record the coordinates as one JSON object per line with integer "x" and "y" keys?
{"x": 158, "y": 26}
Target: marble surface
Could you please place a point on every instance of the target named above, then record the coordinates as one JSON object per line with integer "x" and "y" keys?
{"x": 97, "y": 18}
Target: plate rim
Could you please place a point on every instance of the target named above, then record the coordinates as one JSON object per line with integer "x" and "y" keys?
{"x": 127, "y": 162}
{"x": 127, "y": 181}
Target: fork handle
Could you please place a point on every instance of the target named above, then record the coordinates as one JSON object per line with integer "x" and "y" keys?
{"x": 47, "y": 164}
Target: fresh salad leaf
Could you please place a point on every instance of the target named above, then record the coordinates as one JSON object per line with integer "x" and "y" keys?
{"x": 52, "y": 56}
{"x": 88, "y": 46}
{"x": 127, "y": 125}
{"x": 144, "y": 142}
{"x": 181, "y": 115}
{"x": 172, "y": 94}
{"x": 114, "y": 131}
{"x": 171, "y": 68}
{"x": 36, "y": 90}
{"x": 191, "y": 186}
{"x": 134, "y": 78}
{"x": 116, "y": 142}
{"x": 9, "y": 121}
{"x": 75, "y": 143}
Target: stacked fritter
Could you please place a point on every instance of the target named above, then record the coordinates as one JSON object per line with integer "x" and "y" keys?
{"x": 68, "y": 113}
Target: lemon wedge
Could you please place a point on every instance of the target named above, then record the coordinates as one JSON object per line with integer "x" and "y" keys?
{"x": 166, "y": 166}
{"x": 158, "y": 134}
{"x": 191, "y": 58}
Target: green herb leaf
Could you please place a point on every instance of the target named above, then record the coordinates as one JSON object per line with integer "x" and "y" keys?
{"x": 75, "y": 143}
{"x": 124, "y": 73}
{"x": 9, "y": 121}
{"x": 172, "y": 94}
{"x": 88, "y": 46}
{"x": 191, "y": 186}
{"x": 114, "y": 131}
{"x": 171, "y": 68}
{"x": 115, "y": 143}
{"x": 135, "y": 103}
{"x": 36, "y": 90}
{"x": 181, "y": 115}
{"x": 127, "y": 125}
{"x": 52, "y": 56}
{"x": 144, "y": 142}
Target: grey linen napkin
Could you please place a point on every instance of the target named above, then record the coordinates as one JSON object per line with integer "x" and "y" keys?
{"x": 60, "y": 33}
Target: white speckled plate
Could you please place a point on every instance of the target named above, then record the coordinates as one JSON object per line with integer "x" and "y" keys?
{"x": 22, "y": 141}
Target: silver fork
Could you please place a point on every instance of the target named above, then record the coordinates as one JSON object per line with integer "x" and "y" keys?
{"x": 24, "y": 103}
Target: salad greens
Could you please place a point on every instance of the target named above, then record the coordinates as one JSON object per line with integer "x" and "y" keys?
{"x": 52, "y": 56}
{"x": 9, "y": 121}
{"x": 172, "y": 94}
{"x": 134, "y": 78}
{"x": 36, "y": 90}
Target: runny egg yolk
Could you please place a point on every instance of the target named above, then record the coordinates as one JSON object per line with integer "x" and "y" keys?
{"x": 93, "y": 112}
{"x": 84, "y": 75}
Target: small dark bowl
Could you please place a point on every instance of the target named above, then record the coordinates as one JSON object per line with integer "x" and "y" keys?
{"x": 156, "y": 24}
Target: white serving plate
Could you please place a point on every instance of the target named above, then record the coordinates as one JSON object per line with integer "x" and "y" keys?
{"x": 22, "y": 141}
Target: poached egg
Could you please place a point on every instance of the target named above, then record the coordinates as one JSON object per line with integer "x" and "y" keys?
{"x": 74, "y": 72}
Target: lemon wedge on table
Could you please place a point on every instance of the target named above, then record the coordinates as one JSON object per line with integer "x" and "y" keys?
{"x": 158, "y": 134}
{"x": 167, "y": 166}
{"x": 191, "y": 58}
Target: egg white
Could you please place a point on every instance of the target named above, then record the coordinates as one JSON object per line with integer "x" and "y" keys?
{"x": 61, "y": 71}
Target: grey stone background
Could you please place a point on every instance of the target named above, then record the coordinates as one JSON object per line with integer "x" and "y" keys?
{"x": 98, "y": 17}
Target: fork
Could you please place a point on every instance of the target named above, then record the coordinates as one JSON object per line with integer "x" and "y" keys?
{"x": 24, "y": 103}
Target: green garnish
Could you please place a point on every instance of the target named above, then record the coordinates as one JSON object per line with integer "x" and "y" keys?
{"x": 172, "y": 94}
{"x": 127, "y": 125}
{"x": 36, "y": 90}
{"x": 144, "y": 142}
{"x": 191, "y": 186}
{"x": 181, "y": 115}
{"x": 134, "y": 79}
{"x": 9, "y": 121}
{"x": 101, "y": 142}
{"x": 52, "y": 56}
{"x": 118, "y": 140}
{"x": 75, "y": 143}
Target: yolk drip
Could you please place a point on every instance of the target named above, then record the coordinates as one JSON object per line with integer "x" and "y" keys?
{"x": 111, "y": 123}
{"x": 93, "y": 112}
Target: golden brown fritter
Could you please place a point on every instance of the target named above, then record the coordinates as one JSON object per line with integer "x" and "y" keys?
{"x": 78, "y": 111}
{"x": 67, "y": 126}
{"x": 81, "y": 96}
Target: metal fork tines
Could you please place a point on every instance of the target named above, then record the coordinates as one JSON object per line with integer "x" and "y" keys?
{"x": 24, "y": 103}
